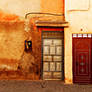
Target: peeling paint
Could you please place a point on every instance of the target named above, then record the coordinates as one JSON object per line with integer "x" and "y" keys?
{"x": 14, "y": 60}
{"x": 8, "y": 17}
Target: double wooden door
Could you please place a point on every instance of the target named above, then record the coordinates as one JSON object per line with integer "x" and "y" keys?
{"x": 82, "y": 59}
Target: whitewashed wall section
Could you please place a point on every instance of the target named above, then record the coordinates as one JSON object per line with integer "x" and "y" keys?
{"x": 78, "y": 4}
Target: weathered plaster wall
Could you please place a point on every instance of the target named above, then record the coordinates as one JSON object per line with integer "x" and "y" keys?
{"x": 52, "y": 6}
{"x": 13, "y": 57}
{"x": 12, "y": 34}
{"x": 20, "y": 7}
{"x": 11, "y": 42}
{"x": 79, "y": 16}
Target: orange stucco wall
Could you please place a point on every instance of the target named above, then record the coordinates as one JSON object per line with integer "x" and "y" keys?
{"x": 13, "y": 34}
{"x": 11, "y": 43}
{"x": 13, "y": 56}
{"x": 52, "y": 6}
{"x": 21, "y": 7}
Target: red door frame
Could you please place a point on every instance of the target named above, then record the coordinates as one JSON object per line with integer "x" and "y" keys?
{"x": 50, "y": 29}
{"x": 41, "y": 29}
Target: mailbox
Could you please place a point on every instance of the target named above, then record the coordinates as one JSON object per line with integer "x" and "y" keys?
{"x": 28, "y": 45}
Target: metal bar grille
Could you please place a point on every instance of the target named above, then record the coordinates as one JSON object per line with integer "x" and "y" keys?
{"x": 53, "y": 55}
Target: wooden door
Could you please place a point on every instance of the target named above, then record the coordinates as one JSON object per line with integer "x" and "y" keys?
{"x": 81, "y": 60}
{"x": 53, "y": 55}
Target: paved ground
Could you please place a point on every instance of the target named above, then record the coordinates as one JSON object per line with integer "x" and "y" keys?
{"x": 41, "y": 86}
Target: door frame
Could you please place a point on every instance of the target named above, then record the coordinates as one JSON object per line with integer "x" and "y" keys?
{"x": 49, "y": 29}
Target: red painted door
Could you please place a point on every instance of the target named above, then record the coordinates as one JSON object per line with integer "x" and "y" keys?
{"x": 81, "y": 60}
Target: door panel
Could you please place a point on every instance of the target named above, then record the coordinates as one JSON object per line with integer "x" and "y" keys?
{"x": 52, "y": 50}
{"x": 81, "y": 60}
{"x": 46, "y": 50}
{"x": 52, "y": 66}
{"x": 53, "y": 55}
{"x": 82, "y": 63}
{"x": 57, "y": 58}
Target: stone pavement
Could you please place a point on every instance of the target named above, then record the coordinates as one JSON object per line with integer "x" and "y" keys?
{"x": 41, "y": 86}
